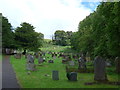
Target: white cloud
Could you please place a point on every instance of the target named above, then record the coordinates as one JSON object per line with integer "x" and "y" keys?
{"x": 46, "y": 15}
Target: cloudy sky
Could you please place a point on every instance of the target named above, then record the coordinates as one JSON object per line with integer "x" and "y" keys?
{"x": 47, "y": 15}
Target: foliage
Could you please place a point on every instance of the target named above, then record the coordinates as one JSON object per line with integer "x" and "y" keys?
{"x": 7, "y": 34}
{"x": 27, "y": 38}
{"x": 62, "y": 38}
{"x": 99, "y": 33}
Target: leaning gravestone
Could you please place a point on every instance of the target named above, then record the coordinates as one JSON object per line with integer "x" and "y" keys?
{"x": 117, "y": 64}
{"x": 72, "y": 76}
{"x": 99, "y": 69}
{"x": 55, "y": 75}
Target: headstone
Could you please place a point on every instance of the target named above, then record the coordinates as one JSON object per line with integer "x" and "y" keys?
{"x": 72, "y": 76}
{"x": 117, "y": 64}
{"x": 30, "y": 59}
{"x": 50, "y": 61}
{"x": 87, "y": 56}
{"x": 71, "y": 63}
{"x": 40, "y": 60}
{"x": 30, "y": 66}
{"x": 99, "y": 69}
{"x": 17, "y": 56}
{"x": 82, "y": 63}
{"x": 64, "y": 61}
{"x": 55, "y": 75}
{"x": 108, "y": 63}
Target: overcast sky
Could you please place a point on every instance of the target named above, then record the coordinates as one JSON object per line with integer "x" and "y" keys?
{"x": 47, "y": 15}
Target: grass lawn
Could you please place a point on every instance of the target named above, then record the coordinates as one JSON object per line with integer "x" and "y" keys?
{"x": 37, "y": 79}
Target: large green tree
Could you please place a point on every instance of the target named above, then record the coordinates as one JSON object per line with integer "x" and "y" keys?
{"x": 99, "y": 33}
{"x": 27, "y": 38}
{"x": 7, "y": 34}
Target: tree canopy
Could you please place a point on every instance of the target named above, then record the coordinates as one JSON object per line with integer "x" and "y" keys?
{"x": 99, "y": 33}
{"x": 27, "y": 38}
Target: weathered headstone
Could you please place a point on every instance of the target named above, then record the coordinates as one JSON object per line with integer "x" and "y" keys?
{"x": 30, "y": 66}
{"x": 18, "y": 55}
{"x": 82, "y": 63}
{"x": 30, "y": 59}
{"x": 72, "y": 76}
{"x": 55, "y": 75}
{"x": 71, "y": 63}
{"x": 99, "y": 69}
{"x": 40, "y": 60}
{"x": 30, "y": 63}
{"x": 117, "y": 64}
{"x": 87, "y": 56}
{"x": 108, "y": 63}
{"x": 50, "y": 61}
{"x": 64, "y": 61}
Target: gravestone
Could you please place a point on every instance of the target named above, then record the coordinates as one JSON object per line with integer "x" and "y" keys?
{"x": 30, "y": 59}
{"x": 117, "y": 64}
{"x": 64, "y": 61}
{"x": 99, "y": 69}
{"x": 71, "y": 63}
{"x": 40, "y": 60}
{"x": 30, "y": 63}
{"x": 50, "y": 61}
{"x": 72, "y": 76}
{"x": 55, "y": 75}
{"x": 30, "y": 66}
{"x": 82, "y": 63}
{"x": 17, "y": 56}
{"x": 87, "y": 56}
{"x": 108, "y": 63}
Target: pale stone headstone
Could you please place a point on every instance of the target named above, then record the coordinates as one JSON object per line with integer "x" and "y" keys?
{"x": 117, "y": 64}
{"x": 72, "y": 76}
{"x": 87, "y": 56}
{"x": 55, "y": 75}
{"x": 99, "y": 69}
{"x": 108, "y": 63}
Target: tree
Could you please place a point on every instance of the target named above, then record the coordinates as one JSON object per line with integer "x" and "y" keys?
{"x": 27, "y": 38}
{"x": 62, "y": 38}
{"x": 7, "y": 34}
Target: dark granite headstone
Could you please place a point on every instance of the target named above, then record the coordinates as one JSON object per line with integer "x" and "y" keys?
{"x": 40, "y": 60}
{"x": 55, "y": 75}
{"x": 72, "y": 76}
{"x": 50, "y": 61}
{"x": 99, "y": 69}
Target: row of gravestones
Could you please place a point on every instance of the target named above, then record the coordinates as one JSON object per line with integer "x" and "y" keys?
{"x": 99, "y": 70}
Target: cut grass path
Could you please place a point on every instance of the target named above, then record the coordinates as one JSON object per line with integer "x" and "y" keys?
{"x": 37, "y": 79}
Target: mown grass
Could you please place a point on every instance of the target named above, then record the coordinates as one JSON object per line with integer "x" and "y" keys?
{"x": 37, "y": 79}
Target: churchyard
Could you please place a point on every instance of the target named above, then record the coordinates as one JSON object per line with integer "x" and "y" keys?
{"x": 63, "y": 70}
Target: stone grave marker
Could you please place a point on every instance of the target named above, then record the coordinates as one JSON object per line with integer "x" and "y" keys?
{"x": 71, "y": 63}
{"x": 50, "y": 61}
{"x": 40, "y": 60}
{"x": 72, "y": 76}
{"x": 18, "y": 55}
{"x": 30, "y": 63}
{"x": 82, "y": 63}
{"x": 99, "y": 69}
{"x": 55, "y": 75}
{"x": 117, "y": 64}
{"x": 108, "y": 63}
